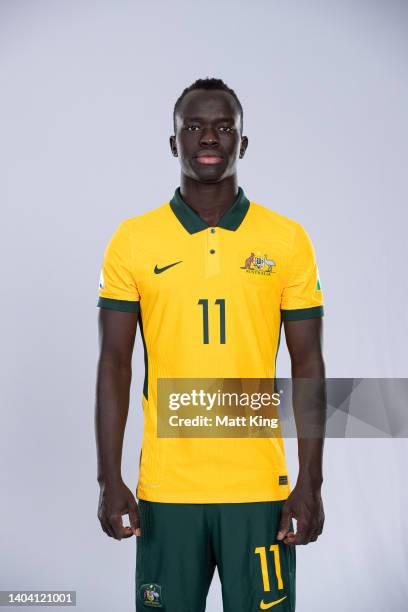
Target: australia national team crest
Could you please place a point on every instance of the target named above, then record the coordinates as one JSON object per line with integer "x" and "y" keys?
{"x": 151, "y": 595}
{"x": 259, "y": 263}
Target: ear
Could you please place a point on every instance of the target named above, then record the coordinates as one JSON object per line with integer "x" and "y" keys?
{"x": 243, "y": 147}
{"x": 173, "y": 146}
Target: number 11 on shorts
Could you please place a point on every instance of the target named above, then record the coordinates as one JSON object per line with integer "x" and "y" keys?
{"x": 261, "y": 551}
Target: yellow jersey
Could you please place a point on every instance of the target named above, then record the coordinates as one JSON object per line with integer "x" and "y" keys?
{"x": 210, "y": 304}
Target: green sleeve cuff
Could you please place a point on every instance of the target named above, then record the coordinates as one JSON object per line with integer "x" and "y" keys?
{"x": 300, "y": 314}
{"x": 122, "y": 305}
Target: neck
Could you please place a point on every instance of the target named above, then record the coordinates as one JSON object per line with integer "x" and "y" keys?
{"x": 209, "y": 200}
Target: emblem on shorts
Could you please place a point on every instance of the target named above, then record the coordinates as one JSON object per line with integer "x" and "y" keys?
{"x": 265, "y": 606}
{"x": 258, "y": 263}
{"x": 151, "y": 595}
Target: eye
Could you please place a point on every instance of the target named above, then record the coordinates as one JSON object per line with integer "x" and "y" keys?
{"x": 192, "y": 127}
{"x": 226, "y": 128}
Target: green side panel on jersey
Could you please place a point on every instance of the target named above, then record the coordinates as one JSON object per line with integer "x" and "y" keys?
{"x": 277, "y": 348}
{"x": 146, "y": 359}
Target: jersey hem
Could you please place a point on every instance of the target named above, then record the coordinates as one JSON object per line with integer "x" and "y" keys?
{"x": 259, "y": 496}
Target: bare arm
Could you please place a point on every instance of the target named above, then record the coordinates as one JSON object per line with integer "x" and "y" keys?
{"x": 117, "y": 332}
{"x": 304, "y": 340}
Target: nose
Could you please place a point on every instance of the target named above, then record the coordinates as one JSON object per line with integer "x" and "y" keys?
{"x": 208, "y": 137}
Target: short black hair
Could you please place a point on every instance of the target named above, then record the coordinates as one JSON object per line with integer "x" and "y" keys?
{"x": 209, "y": 84}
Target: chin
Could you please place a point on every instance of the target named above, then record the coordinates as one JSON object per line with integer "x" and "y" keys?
{"x": 209, "y": 179}
{"x": 210, "y": 175}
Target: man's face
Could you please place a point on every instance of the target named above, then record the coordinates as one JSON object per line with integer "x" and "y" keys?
{"x": 208, "y": 138}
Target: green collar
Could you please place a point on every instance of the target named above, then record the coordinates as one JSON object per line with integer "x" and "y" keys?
{"x": 193, "y": 223}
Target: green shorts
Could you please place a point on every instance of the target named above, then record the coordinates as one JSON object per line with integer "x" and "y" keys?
{"x": 181, "y": 544}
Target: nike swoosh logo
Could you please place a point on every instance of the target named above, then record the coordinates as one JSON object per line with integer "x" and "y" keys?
{"x": 266, "y": 606}
{"x": 160, "y": 270}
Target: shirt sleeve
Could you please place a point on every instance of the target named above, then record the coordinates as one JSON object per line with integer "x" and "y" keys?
{"x": 302, "y": 296}
{"x": 117, "y": 284}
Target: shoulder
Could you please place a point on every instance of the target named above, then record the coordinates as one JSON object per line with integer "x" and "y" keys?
{"x": 270, "y": 219}
{"x": 139, "y": 232}
{"x": 146, "y": 221}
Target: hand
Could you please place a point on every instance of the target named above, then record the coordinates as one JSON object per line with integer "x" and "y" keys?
{"x": 115, "y": 500}
{"x": 306, "y": 506}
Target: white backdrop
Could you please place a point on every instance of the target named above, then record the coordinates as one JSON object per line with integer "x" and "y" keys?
{"x": 87, "y": 92}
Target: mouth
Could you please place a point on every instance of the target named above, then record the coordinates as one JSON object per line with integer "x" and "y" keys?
{"x": 208, "y": 159}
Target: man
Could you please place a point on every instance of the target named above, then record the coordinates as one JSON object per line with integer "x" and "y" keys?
{"x": 209, "y": 275}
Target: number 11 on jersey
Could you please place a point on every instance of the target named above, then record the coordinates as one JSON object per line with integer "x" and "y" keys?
{"x": 206, "y": 335}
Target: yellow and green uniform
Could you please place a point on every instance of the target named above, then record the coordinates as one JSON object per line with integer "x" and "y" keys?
{"x": 210, "y": 302}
